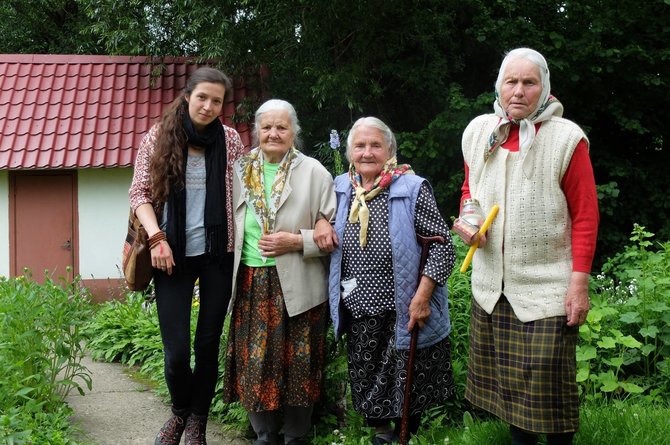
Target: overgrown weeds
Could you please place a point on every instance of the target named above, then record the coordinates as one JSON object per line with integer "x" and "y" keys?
{"x": 41, "y": 352}
{"x": 626, "y": 340}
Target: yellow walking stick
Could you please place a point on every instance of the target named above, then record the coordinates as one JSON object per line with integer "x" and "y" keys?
{"x": 473, "y": 247}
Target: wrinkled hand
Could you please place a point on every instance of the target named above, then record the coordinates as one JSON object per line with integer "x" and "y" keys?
{"x": 577, "y": 299}
{"x": 466, "y": 232}
{"x": 276, "y": 244}
{"x": 482, "y": 240}
{"x": 161, "y": 257}
{"x": 419, "y": 307}
{"x": 325, "y": 236}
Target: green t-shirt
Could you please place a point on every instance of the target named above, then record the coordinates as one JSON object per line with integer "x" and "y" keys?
{"x": 252, "y": 231}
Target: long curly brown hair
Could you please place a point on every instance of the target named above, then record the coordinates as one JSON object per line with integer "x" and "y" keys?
{"x": 167, "y": 161}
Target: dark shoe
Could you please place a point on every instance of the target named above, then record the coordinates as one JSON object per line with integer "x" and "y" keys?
{"x": 195, "y": 430}
{"x": 300, "y": 441}
{"x": 172, "y": 430}
{"x": 379, "y": 441}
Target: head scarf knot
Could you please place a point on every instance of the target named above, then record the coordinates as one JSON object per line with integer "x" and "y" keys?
{"x": 359, "y": 209}
{"x": 548, "y": 106}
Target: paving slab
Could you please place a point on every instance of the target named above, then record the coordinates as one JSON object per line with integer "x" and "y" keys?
{"x": 122, "y": 411}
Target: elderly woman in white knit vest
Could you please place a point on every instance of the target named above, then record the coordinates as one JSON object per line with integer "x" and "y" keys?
{"x": 530, "y": 275}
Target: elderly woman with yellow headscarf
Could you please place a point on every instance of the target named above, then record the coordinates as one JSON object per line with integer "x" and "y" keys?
{"x": 376, "y": 294}
{"x": 277, "y": 339}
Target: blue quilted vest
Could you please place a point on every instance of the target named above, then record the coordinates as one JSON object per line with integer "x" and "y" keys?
{"x": 406, "y": 253}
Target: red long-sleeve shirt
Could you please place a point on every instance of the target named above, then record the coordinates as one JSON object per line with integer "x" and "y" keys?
{"x": 578, "y": 185}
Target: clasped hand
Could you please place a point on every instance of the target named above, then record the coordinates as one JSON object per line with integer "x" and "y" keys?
{"x": 276, "y": 244}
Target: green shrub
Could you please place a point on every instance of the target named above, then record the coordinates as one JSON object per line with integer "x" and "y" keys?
{"x": 127, "y": 332}
{"x": 41, "y": 352}
{"x": 627, "y": 335}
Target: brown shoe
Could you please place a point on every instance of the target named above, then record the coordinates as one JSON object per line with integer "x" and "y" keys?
{"x": 171, "y": 432}
{"x": 195, "y": 430}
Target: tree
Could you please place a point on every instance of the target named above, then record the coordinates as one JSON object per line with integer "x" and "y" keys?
{"x": 45, "y": 26}
{"x": 426, "y": 68}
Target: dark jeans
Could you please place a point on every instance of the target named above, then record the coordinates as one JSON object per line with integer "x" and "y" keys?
{"x": 193, "y": 390}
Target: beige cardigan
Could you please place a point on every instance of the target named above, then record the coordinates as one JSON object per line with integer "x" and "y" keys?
{"x": 308, "y": 196}
{"x": 528, "y": 247}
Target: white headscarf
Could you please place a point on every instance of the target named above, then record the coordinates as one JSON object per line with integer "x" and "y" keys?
{"x": 548, "y": 106}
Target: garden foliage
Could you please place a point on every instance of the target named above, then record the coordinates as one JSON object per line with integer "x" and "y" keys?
{"x": 40, "y": 352}
{"x": 625, "y": 343}
{"x": 622, "y": 365}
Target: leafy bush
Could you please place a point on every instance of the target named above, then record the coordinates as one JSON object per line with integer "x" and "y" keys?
{"x": 128, "y": 332}
{"x": 40, "y": 352}
{"x": 627, "y": 335}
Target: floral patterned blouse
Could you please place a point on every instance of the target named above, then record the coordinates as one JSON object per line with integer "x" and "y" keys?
{"x": 140, "y": 189}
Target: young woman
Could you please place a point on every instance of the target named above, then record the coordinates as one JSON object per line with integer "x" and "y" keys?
{"x": 182, "y": 193}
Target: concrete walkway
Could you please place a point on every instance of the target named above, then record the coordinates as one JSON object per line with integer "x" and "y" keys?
{"x": 121, "y": 411}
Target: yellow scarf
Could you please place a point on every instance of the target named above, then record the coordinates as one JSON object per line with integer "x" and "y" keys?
{"x": 359, "y": 209}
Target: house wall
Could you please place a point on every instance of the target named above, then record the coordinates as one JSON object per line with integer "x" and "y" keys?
{"x": 102, "y": 209}
{"x": 103, "y": 221}
{"x": 4, "y": 223}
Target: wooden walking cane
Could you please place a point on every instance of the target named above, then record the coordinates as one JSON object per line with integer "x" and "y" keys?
{"x": 424, "y": 242}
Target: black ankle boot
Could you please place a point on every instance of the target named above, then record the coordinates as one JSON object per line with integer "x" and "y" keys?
{"x": 195, "y": 430}
{"x": 522, "y": 437}
{"x": 172, "y": 430}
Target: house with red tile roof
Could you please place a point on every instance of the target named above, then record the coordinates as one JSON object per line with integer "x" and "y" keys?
{"x": 70, "y": 127}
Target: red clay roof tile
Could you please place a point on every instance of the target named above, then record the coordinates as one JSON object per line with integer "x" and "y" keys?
{"x": 65, "y": 111}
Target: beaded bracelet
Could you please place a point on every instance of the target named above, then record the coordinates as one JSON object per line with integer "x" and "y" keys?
{"x": 156, "y": 238}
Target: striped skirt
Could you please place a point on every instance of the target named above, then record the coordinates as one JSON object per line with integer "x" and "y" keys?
{"x": 272, "y": 360}
{"x": 524, "y": 373}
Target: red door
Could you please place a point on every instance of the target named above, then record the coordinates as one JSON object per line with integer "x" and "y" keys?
{"x": 42, "y": 224}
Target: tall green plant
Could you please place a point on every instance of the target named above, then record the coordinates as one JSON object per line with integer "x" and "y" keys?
{"x": 127, "y": 331}
{"x": 40, "y": 351}
{"x": 626, "y": 339}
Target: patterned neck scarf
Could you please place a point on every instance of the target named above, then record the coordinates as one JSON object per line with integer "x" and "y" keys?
{"x": 359, "y": 209}
{"x": 264, "y": 209}
{"x": 551, "y": 107}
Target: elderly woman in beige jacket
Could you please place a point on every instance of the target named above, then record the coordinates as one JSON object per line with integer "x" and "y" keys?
{"x": 276, "y": 343}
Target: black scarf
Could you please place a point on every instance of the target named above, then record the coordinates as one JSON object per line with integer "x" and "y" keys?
{"x": 213, "y": 140}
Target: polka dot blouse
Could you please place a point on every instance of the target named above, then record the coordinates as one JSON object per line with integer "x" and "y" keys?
{"x": 373, "y": 266}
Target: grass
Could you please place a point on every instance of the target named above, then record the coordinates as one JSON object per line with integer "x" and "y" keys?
{"x": 618, "y": 423}
{"x": 624, "y": 424}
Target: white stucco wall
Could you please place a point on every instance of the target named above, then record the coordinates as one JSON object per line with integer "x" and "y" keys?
{"x": 103, "y": 220}
{"x": 4, "y": 223}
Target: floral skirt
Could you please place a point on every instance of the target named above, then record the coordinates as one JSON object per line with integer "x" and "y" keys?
{"x": 272, "y": 360}
{"x": 378, "y": 371}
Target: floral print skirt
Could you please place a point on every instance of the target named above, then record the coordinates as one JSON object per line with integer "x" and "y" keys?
{"x": 272, "y": 360}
